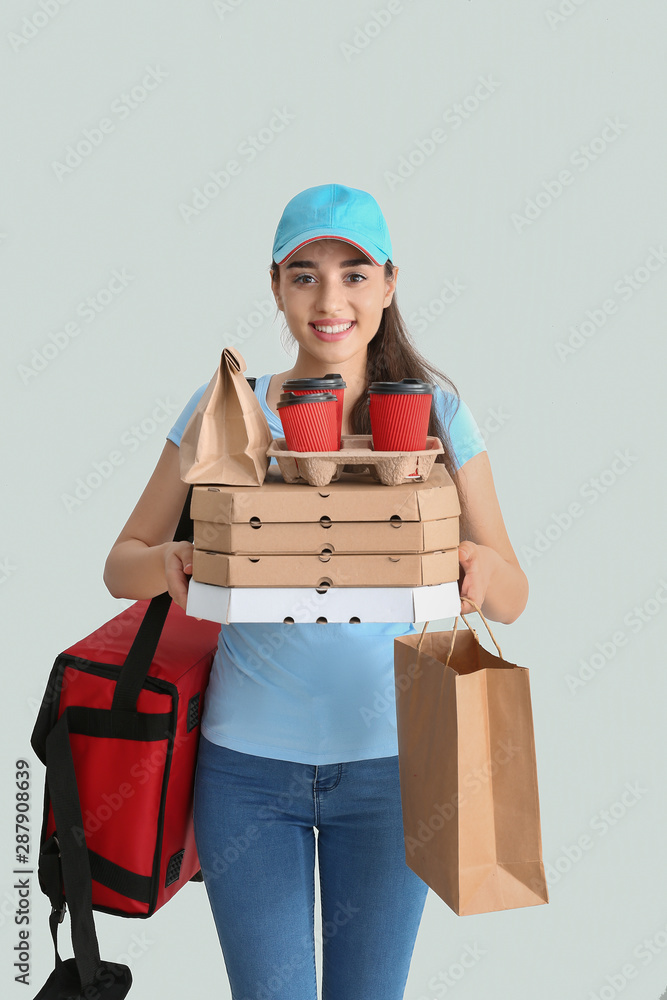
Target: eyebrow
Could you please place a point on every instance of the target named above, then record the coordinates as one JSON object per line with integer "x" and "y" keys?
{"x": 346, "y": 263}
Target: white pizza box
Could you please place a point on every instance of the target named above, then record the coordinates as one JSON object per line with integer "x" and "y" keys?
{"x": 331, "y": 604}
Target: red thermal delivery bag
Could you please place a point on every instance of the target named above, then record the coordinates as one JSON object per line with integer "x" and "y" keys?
{"x": 118, "y": 731}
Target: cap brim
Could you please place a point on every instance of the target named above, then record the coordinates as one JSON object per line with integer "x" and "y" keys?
{"x": 369, "y": 249}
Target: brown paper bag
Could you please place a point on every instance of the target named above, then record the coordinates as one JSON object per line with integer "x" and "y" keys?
{"x": 468, "y": 774}
{"x": 225, "y": 440}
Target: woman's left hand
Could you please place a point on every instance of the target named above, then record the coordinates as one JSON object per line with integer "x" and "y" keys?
{"x": 479, "y": 563}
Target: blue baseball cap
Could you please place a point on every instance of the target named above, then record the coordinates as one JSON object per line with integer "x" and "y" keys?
{"x": 335, "y": 212}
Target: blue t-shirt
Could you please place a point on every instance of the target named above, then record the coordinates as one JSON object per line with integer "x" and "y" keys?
{"x": 312, "y": 693}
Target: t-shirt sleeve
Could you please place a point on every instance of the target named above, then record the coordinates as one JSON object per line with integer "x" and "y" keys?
{"x": 465, "y": 436}
{"x": 177, "y": 430}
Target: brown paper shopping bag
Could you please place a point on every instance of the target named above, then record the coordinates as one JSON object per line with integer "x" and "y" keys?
{"x": 225, "y": 440}
{"x": 468, "y": 774}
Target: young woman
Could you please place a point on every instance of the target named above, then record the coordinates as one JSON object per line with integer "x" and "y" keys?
{"x": 292, "y": 740}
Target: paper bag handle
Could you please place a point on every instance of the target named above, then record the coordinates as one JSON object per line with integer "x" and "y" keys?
{"x": 456, "y": 621}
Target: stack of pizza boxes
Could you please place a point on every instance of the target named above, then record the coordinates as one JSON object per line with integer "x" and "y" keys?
{"x": 353, "y": 550}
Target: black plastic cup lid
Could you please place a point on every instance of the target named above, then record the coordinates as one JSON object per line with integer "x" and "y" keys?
{"x": 326, "y": 382}
{"x": 290, "y": 398}
{"x": 406, "y": 385}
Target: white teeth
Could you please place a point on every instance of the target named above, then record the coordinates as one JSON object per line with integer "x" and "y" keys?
{"x": 333, "y": 329}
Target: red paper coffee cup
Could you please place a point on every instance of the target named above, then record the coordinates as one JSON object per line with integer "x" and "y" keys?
{"x": 309, "y": 421}
{"x": 399, "y": 414}
{"x": 328, "y": 383}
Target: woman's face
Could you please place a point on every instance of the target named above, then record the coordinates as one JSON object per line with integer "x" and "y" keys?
{"x": 332, "y": 286}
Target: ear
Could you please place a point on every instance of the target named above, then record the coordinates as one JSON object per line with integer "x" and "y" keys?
{"x": 275, "y": 288}
{"x": 390, "y": 288}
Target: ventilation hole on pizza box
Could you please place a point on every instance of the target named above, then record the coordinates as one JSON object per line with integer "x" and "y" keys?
{"x": 323, "y": 585}
{"x": 213, "y": 489}
{"x": 326, "y": 550}
{"x": 395, "y": 520}
{"x": 253, "y": 558}
{"x": 255, "y": 522}
{"x": 321, "y": 621}
{"x": 325, "y": 521}
{"x": 325, "y": 555}
{"x": 355, "y": 621}
{"x": 325, "y": 495}
{"x": 288, "y": 621}
{"x": 394, "y": 558}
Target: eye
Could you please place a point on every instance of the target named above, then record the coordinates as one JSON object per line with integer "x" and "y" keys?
{"x": 305, "y": 279}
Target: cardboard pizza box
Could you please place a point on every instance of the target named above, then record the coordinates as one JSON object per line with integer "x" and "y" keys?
{"x": 353, "y": 497}
{"x": 305, "y": 570}
{"x": 331, "y": 604}
{"x": 393, "y": 536}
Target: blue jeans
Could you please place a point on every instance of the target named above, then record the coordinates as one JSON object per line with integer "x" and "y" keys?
{"x": 254, "y": 823}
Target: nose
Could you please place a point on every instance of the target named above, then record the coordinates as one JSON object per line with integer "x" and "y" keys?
{"x": 330, "y": 298}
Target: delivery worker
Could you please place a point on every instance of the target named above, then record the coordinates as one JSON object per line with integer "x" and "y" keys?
{"x": 298, "y": 732}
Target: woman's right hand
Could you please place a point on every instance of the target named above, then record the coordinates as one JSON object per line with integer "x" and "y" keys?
{"x": 177, "y": 570}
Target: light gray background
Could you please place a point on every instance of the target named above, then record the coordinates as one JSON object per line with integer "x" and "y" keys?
{"x": 553, "y": 425}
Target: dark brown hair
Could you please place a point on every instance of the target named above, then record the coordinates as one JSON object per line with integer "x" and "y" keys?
{"x": 391, "y": 357}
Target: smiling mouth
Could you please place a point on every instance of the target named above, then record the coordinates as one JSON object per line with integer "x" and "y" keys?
{"x": 329, "y": 328}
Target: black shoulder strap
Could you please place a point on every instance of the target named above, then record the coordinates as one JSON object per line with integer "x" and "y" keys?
{"x": 64, "y": 858}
